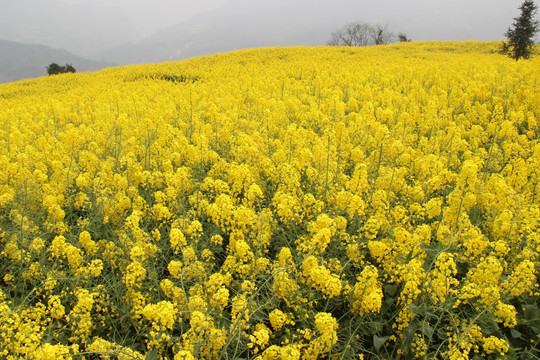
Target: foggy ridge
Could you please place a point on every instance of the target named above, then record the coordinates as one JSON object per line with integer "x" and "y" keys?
{"x": 23, "y": 61}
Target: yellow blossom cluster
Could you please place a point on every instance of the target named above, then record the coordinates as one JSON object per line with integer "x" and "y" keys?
{"x": 277, "y": 203}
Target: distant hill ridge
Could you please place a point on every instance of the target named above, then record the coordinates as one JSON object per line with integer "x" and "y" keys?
{"x": 21, "y": 61}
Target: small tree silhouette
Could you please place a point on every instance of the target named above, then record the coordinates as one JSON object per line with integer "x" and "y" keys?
{"x": 54, "y": 69}
{"x": 403, "y": 38}
{"x": 70, "y": 68}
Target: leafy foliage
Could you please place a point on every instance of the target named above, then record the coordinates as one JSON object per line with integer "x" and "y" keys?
{"x": 522, "y": 33}
{"x": 403, "y": 38}
{"x": 55, "y": 69}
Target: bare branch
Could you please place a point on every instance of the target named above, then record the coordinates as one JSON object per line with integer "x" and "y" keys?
{"x": 361, "y": 34}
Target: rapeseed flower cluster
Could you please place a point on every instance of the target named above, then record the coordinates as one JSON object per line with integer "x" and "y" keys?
{"x": 280, "y": 203}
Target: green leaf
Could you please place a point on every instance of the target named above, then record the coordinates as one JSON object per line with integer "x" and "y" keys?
{"x": 152, "y": 355}
{"x": 416, "y": 310}
{"x": 391, "y": 289}
{"x": 515, "y": 334}
{"x": 428, "y": 331}
{"x": 378, "y": 326}
{"x": 408, "y": 333}
{"x": 379, "y": 341}
{"x": 530, "y": 312}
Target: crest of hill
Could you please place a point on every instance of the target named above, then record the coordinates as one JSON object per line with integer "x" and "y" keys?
{"x": 456, "y": 47}
{"x": 186, "y": 70}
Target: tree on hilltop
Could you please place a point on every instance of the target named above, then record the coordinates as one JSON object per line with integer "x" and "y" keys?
{"x": 361, "y": 34}
{"x": 70, "y": 68}
{"x": 403, "y": 38}
{"x": 54, "y": 69}
{"x": 521, "y": 34}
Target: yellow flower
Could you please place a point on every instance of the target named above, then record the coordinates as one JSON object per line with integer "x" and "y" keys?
{"x": 177, "y": 239}
{"x": 321, "y": 278}
{"x": 284, "y": 286}
{"x": 175, "y": 268}
{"x": 216, "y": 240}
{"x": 220, "y": 298}
{"x": 95, "y": 267}
{"x": 521, "y": 280}
{"x": 326, "y": 326}
{"x": 278, "y": 319}
{"x": 259, "y": 340}
{"x": 184, "y": 355}
{"x": 199, "y": 321}
{"x": 493, "y": 344}
{"x": 49, "y": 351}
{"x": 135, "y": 274}
{"x": 506, "y": 314}
{"x": 443, "y": 277}
{"x": 37, "y": 244}
{"x": 433, "y": 207}
{"x": 378, "y": 250}
{"x": 56, "y": 309}
{"x": 80, "y": 317}
{"x": 100, "y": 345}
{"x": 162, "y": 315}
{"x": 74, "y": 256}
{"x": 367, "y": 292}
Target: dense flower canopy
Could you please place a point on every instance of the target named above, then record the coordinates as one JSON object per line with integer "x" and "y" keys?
{"x": 278, "y": 203}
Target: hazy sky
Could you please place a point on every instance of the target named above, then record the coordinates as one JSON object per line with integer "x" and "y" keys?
{"x": 152, "y": 15}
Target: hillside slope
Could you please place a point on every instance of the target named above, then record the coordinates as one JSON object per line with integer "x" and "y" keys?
{"x": 278, "y": 203}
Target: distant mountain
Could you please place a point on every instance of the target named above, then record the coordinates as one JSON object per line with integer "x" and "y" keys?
{"x": 21, "y": 61}
{"x": 238, "y": 24}
{"x": 82, "y": 29}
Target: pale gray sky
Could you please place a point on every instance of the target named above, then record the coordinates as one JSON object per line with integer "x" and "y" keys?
{"x": 151, "y": 15}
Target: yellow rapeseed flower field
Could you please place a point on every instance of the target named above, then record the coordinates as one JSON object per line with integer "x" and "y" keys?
{"x": 279, "y": 203}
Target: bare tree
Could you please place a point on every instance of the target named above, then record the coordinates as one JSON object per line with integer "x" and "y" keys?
{"x": 353, "y": 34}
{"x": 361, "y": 34}
{"x": 382, "y": 35}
